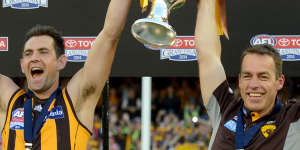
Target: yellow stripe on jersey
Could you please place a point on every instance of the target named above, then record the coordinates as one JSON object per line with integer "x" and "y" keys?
{"x": 82, "y": 138}
{"x": 72, "y": 119}
{"x": 20, "y": 142}
{"x": 47, "y": 133}
{"x": 79, "y": 136}
{"x": 51, "y": 105}
{"x": 5, "y": 132}
{"x": 143, "y": 3}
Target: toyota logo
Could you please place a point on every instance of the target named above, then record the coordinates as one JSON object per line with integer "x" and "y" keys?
{"x": 178, "y": 43}
{"x": 71, "y": 43}
{"x": 284, "y": 42}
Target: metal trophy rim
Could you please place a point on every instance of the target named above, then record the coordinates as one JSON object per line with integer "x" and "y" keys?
{"x": 154, "y": 21}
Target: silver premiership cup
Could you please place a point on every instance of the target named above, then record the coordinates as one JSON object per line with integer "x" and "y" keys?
{"x": 155, "y": 30}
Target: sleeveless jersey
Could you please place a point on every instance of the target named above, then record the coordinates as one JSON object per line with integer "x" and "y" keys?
{"x": 61, "y": 131}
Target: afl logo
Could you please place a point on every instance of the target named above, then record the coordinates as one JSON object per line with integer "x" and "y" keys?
{"x": 18, "y": 115}
{"x": 17, "y": 119}
{"x": 263, "y": 39}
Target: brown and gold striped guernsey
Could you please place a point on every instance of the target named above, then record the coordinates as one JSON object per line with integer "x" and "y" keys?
{"x": 280, "y": 131}
{"x": 61, "y": 131}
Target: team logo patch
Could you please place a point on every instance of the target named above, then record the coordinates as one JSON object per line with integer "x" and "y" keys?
{"x": 267, "y": 130}
{"x": 17, "y": 119}
{"x": 25, "y": 4}
{"x": 231, "y": 125}
{"x": 56, "y": 113}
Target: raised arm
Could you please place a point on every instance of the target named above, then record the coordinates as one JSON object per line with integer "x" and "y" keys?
{"x": 98, "y": 65}
{"x": 7, "y": 89}
{"x": 86, "y": 86}
{"x": 211, "y": 71}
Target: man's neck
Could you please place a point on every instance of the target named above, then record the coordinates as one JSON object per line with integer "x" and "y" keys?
{"x": 47, "y": 93}
{"x": 266, "y": 111}
{"x": 260, "y": 114}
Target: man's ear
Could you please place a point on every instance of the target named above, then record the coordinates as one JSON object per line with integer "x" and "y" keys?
{"x": 61, "y": 62}
{"x": 22, "y": 65}
{"x": 281, "y": 81}
{"x": 239, "y": 79}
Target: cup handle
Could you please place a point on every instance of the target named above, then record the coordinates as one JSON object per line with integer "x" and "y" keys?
{"x": 176, "y": 4}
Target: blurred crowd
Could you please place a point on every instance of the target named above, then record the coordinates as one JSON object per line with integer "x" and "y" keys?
{"x": 178, "y": 118}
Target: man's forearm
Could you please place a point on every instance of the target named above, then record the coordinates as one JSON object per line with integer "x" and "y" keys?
{"x": 116, "y": 17}
{"x": 211, "y": 71}
{"x": 206, "y": 32}
{"x": 101, "y": 55}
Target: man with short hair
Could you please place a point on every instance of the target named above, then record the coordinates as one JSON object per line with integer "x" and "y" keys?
{"x": 258, "y": 120}
{"x": 46, "y": 116}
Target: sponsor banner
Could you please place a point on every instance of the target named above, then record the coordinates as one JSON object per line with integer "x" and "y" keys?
{"x": 77, "y": 48}
{"x": 287, "y": 45}
{"x": 25, "y": 4}
{"x": 56, "y": 113}
{"x": 3, "y": 44}
{"x": 183, "y": 49}
{"x": 183, "y": 42}
{"x": 178, "y": 54}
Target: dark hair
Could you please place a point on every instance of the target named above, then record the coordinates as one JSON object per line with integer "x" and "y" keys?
{"x": 39, "y": 30}
{"x": 266, "y": 49}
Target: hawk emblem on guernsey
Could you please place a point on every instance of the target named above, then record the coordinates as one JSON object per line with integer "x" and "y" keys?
{"x": 267, "y": 130}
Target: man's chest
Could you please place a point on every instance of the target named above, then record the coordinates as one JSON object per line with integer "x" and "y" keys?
{"x": 272, "y": 133}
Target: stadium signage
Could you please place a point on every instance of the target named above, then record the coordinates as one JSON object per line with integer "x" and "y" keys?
{"x": 25, "y": 4}
{"x": 287, "y": 45}
{"x": 3, "y": 44}
{"x": 76, "y": 48}
{"x": 183, "y": 49}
